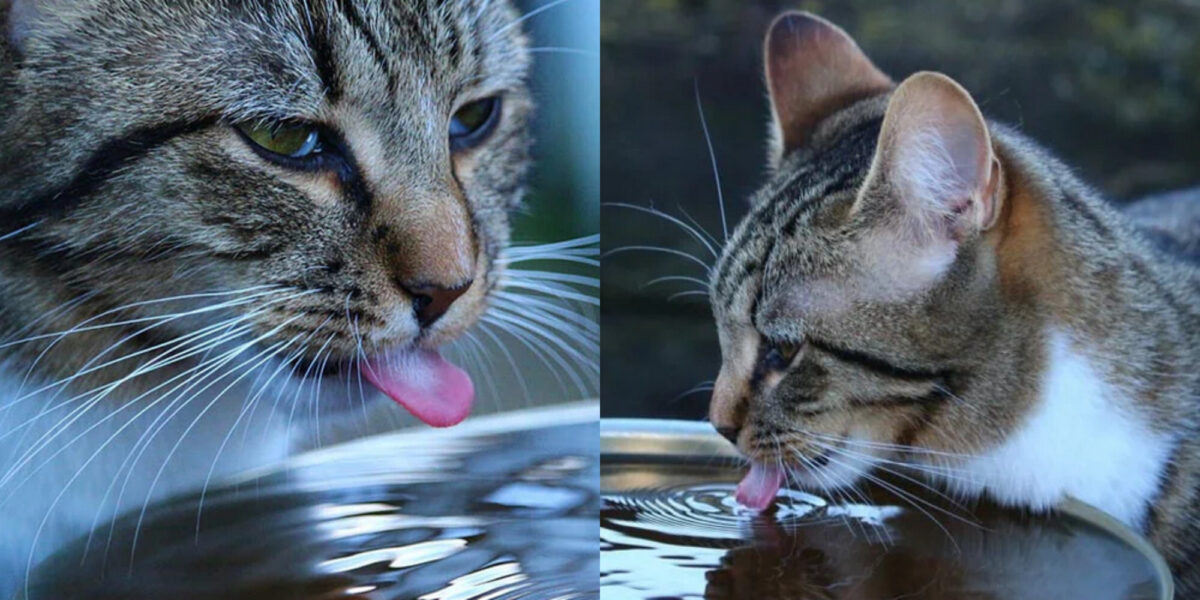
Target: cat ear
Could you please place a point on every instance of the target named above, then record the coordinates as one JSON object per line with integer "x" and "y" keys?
{"x": 813, "y": 69}
{"x": 935, "y": 158}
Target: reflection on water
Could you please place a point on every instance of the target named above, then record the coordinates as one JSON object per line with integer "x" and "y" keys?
{"x": 432, "y": 516}
{"x": 663, "y": 535}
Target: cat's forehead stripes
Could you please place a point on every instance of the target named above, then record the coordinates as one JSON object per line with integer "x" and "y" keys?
{"x": 398, "y": 36}
{"x": 790, "y": 203}
{"x": 264, "y": 59}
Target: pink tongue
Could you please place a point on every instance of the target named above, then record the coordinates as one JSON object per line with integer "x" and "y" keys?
{"x": 759, "y": 487}
{"x": 432, "y": 389}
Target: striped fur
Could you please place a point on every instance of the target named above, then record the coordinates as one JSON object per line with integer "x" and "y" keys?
{"x": 123, "y": 180}
{"x": 1055, "y": 312}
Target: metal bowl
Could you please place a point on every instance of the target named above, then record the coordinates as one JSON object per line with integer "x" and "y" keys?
{"x": 670, "y": 528}
{"x": 501, "y": 507}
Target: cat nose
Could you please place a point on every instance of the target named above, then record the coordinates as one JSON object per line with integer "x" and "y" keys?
{"x": 430, "y": 302}
{"x": 730, "y": 433}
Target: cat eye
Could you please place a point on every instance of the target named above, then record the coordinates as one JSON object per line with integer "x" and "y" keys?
{"x": 780, "y": 354}
{"x": 472, "y": 123}
{"x": 291, "y": 140}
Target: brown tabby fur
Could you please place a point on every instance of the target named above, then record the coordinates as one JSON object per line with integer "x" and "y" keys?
{"x": 130, "y": 206}
{"x": 117, "y": 142}
{"x": 953, "y": 365}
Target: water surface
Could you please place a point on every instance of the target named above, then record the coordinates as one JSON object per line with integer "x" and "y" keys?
{"x": 675, "y": 531}
{"x": 502, "y": 515}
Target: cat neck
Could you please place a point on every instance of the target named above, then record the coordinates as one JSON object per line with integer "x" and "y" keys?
{"x": 1087, "y": 270}
{"x": 1107, "y": 343}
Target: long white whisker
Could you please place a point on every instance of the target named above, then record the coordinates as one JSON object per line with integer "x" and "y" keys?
{"x": 691, "y": 231}
{"x": 712, "y": 155}
{"x": 525, "y": 17}
{"x": 671, "y": 251}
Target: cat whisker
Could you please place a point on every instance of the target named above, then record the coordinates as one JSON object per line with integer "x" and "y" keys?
{"x": 99, "y": 394}
{"x": 582, "y": 250}
{"x": 16, "y": 232}
{"x": 658, "y": 249}
{"x": 307, "y": 379}
{"x": 518, "y": 374}
{"x": 694, "y": 232}
{"x": 89, "y": 367}
{"x": 551, "y": 290}
{"x": 879, "y": 462}
{"x": 563, "y": 50}
{"x": 703, "y": 386}
{"x": 184, "y": 393}
{"x": 712, "y": 238}
{"x": 516, "y": 301}
{"x": 564, "y": 319}
{"x": 685, "y": 278}
{"x": 362, "y": 359}
{"x": 881, "y": 445}
{"x": 586, "y": 242}
{"x": 162, "y": 361}
{"x": 547, "y": 358}
{"x": 250, "y": 406}
{"x": 841, "y": 494}
{"x": 683, "y": 294}
{"x": 713, "y": 156}
{"x": 227, "y": 356}
{"x": 487, "y": 366}
{"x": 262, "y": 357}
{"x": 582, "y": 280}
{"x": 547, "y": 333}
{"x": 50, "y": 315}
{"x": 283, "y": 364}
{"x": 547, "y": 325}
{"x": 914, "y": 501}
{"x": 82, "y": 328}
{"x": 533, "y": 13}
{"x": 314, "y": 400}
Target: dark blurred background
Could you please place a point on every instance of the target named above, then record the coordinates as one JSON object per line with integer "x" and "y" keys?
{"x": 1111, "y": 86}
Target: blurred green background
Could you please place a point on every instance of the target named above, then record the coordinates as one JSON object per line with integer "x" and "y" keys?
{"x": 1112, "y": 87}
{"x": 564, "y": 198}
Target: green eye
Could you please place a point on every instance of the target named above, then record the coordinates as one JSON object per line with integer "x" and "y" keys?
{"x": 290, "y": 140}
{"x": 473, "y": 122}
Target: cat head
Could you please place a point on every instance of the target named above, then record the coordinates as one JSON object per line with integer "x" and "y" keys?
{"x": 863, "y": 266}
{"x": 343, "y": 171}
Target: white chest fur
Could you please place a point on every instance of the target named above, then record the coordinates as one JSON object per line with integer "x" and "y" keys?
{"x": 89, "y": 471}
{"x": 1084, "y": 439}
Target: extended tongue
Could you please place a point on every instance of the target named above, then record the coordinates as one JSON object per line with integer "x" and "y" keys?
{"x": 759, "y": 486}
{"x": 433, "y": 390}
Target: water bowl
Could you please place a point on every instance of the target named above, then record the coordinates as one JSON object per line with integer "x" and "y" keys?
{"x": 670, "y": 528}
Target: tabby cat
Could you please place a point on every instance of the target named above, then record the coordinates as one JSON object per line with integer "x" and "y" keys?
{"x": 919, "y": 285}
{"x": 209, "y": 207}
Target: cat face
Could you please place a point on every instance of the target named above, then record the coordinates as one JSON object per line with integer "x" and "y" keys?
{"x": 846, "y": 297}
{"x": 349, "y": 167}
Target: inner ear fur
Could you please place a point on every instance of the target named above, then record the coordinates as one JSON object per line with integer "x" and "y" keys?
{"x": 935, "y": 159}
